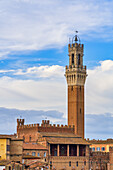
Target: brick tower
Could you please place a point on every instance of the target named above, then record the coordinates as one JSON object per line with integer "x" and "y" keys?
{"x": 76, "y": 75}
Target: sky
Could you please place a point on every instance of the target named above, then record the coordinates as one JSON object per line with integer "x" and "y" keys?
{"x": 34, "y": 37}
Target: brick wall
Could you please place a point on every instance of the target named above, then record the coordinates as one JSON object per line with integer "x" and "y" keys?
{"x": 16, "y": 149}
{"x": 29, "y": 132}
{"x": 76, "y": 108}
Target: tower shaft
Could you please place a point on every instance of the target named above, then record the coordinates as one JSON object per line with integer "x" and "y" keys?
{"x": 76, "y": 108}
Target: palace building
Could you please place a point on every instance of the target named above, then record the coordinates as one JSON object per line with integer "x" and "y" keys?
{"x": 59, "y": 145}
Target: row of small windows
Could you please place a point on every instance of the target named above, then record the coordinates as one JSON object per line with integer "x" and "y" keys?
{"x": 38, "y": 154}
{"x": 98, "y": 149}
{"x": 29, "y": 138}
{"x": 77, "y": 164}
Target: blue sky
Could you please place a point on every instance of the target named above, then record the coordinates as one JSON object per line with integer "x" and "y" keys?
{"x": 34, "y": 37}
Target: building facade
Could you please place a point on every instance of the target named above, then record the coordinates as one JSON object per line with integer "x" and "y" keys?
{"x": 76, "y": 75}
{"x": 58, "y": 145}
{"x": 100, "y": 145}
{"x": 11, "y": 148}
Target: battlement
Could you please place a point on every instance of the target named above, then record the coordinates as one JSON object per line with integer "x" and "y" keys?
{"x": 76, "y": 45}
{"x": 75, "y": 68}
{"x": 45, "y": 126}
{"x": 20, "y": 122}
{"x": 45, "y": 123}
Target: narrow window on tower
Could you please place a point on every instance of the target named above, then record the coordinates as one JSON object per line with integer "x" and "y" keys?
{"x": 78, "y": 59}
{"x": 30, "y": 139}
{"x": 80, "y": 88}
{"x": 70, "y": 163}
{"x": 72, "y": 58}
{"x": 80, "y": 110}
{"x": 71, "y": 88}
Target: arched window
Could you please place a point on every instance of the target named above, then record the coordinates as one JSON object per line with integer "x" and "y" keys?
{"x": 33, "y": 153}
{"x": 70, "y": 163}
{"x": 30, "y": 139}
{"x": 78, "y": 59}
{"x": 44, "y": 154}
{"x": 71, "y": 88}
{"x": 72, "y": 58}
{"x": 63, "y": 150}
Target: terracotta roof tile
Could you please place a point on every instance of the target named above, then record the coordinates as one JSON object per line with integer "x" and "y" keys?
{"x": 34, "y": 146}
{"x": 64, "y": 138}
{"x": 108, "y": 141}
{"x": 30, "y": 157}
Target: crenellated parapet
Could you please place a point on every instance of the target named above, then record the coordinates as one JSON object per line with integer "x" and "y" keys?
{"x": 73, "y": 46}
{"x": 45, "y": 126}
{"x": 20, "y": 122}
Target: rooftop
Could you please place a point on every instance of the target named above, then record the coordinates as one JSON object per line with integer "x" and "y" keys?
{"x": 63, "y": 138}
{"x": 108, "y": 141}
{"x": 33, "y": 146}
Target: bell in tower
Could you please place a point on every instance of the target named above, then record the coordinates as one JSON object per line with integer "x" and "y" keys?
{"x": 76, "y": 75}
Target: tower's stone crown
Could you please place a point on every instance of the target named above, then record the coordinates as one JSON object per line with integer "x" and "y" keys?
{"x": 75, "y": 73}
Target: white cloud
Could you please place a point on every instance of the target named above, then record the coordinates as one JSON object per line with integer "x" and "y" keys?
{"x": 99, "y": 89}
{"x": 34, "y": 24}
{"x": 6, "y": 71}
{"x": 42, "y": 71}
{"x": 49, "y": 91}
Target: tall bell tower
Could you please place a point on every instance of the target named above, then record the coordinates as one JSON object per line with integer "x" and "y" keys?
{"x": 76, "y": 75}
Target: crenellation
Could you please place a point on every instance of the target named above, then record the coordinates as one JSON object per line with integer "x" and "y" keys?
{"x": 42, "y": 125}
{"x": 45, "y": 128}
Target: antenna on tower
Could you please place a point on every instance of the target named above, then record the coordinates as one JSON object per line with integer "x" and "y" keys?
{"x": 76, "y": 37}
